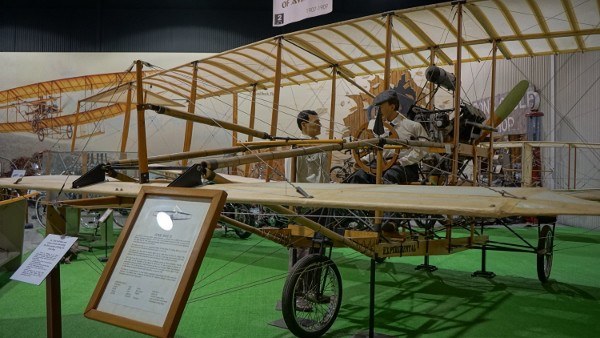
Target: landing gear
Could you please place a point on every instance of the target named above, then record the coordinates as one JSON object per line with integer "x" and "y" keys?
{"x": 240, "y": 213}
{"x": 312, "y": 296}
{"x": 545, "y": 252}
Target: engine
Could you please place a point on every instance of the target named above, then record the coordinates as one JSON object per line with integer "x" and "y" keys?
{"x": 440, "y": 123}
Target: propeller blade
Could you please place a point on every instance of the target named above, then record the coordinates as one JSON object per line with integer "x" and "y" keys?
{"x": 506, "y": 107}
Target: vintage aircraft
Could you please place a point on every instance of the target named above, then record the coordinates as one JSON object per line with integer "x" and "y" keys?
{"x": 324, "y": 53}
{"x": 38, "y": 107}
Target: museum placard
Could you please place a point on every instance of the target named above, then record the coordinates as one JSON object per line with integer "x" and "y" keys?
{"x": 152, "y": 268}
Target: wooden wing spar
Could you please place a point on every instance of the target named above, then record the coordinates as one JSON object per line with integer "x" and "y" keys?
{"x": 358, "y": 47}
{"x": 448, "y": 200}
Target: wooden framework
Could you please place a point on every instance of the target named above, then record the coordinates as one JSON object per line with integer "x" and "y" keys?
{"x": 358, "y": 47}
{"x": 362, "y": 46}
{"x": 527, "y": 155}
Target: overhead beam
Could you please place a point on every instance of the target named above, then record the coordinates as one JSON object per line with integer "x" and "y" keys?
{"x": 261, "y": 76}
{"x": 511, "y": 21}
{"x": 421, "y": 35}
{"x": 281, "y": 61}
{"x": 452, "y": 30}
{"x": 402, "y": 41}
{"x": 543, "y": 26}
{"x": 377, "y": 41}
{"x": 568, "y": 6}
{"x": 489, "y": 28}
{"x": 337, "y": 49}
{"x": 309, "y": 47}
{"x": 359, "y": 47}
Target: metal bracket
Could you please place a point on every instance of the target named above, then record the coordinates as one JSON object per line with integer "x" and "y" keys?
{"x": 96, "y": 175}
{"x": 190, "y": 178}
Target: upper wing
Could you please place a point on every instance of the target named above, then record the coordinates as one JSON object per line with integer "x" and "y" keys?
{"x": 467, "y": 201}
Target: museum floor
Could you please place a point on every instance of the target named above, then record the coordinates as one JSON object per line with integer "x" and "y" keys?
{"x": 240, "y": 282}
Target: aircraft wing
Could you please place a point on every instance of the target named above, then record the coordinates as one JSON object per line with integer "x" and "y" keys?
{"x": 586, "y": 194}
{"x": 446, "y": 200}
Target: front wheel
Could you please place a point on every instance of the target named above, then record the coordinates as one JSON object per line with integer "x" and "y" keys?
{"x": 545, "y": 252}
{"x": 241, "y": 233}
{"x": 40, "y": 210}
{"x": 337, "y": 174}
{"x": 312, "y": 296}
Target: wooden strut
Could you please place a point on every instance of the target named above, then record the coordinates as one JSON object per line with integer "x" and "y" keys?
{"x": 191, "y": 154}
{"x": 205, "y": 120}
{"x": 213, "y": 164}
{"x": 252, "y": 158}
{"x": 141, "y": 127}
{"x": 56, "y": 224}
{"x": 457, "y": 73}
{"x": 492, "y": 113}
{"x": 301, "y": 220}
{"x": 189, "y": 126}
{"x": 253, "y": 230}
{"x": 291, "y": 142}
{"x": 276, "y": 92}
{"x": 101, "y": 202}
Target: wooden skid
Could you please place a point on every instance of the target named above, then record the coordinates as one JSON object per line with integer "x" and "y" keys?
{"x": 301, "y": 237}
{"x": 422, "y": 247}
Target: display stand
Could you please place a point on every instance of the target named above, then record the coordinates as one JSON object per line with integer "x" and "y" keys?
{"x": 103, "y": 222}
{"x": 371, "y": 333}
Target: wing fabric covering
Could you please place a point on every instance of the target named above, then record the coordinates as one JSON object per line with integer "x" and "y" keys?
{"x": 466, "y": 201}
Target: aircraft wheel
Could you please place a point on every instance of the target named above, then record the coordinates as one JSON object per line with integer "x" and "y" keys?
{"x": 69, "y": 131}
{"x": 312, "y": 296}
{"x": 242, "y": 234}
{"x": 545, "y": 252}
{"x": 40, "y": 135}
{"x": 40, "y": 210}
{"x": 337, "y": 174}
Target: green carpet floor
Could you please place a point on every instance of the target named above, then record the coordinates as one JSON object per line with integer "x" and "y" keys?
{"x": 240, "y": 282}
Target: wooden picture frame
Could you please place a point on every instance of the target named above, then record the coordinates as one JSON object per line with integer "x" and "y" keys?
{"x": 151, "y": 271}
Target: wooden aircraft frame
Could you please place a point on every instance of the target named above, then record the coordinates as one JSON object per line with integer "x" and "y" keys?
{"x": 449, "y": 201}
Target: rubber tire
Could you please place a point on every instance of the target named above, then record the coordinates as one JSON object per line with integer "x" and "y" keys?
{"x": 328, "y": 312}
{"x": 69, "y": 131}
{"x": 40, "y": 210}
{"x": 545, "y": 254}
{"x": 241, "y": 233}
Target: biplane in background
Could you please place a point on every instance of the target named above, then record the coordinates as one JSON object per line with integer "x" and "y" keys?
{"x": 440, "y": 220}
{"x": 38, "y": 113}
{"x": 39, "y": 108}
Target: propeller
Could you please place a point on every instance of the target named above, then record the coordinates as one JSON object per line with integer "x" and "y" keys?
{"x": 505, "y": 107}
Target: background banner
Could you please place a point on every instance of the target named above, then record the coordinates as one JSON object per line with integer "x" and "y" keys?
{"x": 288, "y": 11}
